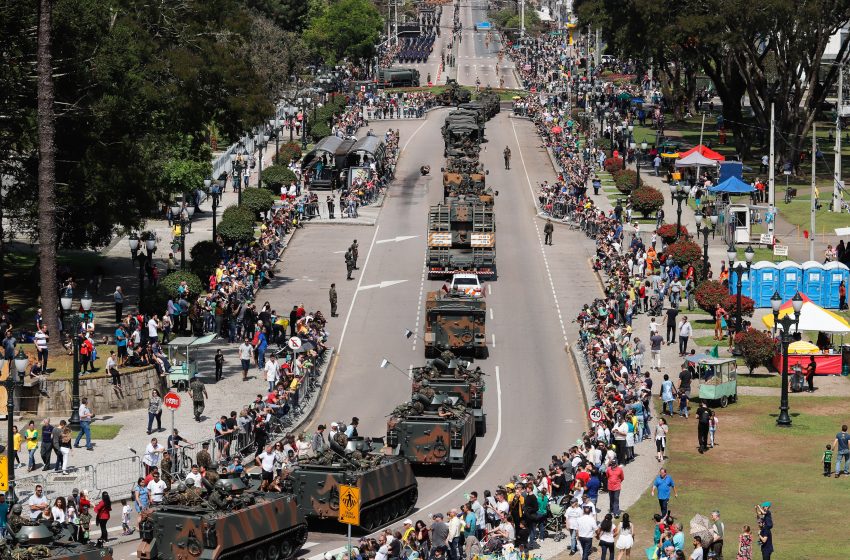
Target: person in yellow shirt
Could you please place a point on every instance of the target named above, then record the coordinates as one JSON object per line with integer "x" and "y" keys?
{"x": 17, "y": 441}
{"x": 407, "y": 535}
{"x": 31, "y": 435}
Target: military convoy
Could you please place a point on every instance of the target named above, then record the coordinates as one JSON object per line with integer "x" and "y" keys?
{"x": 398, "y": 77}
{"x": 455, "y": 321}
{"x": 435, "y": 430}
{"x": 454, "y": 94}
{"x": 461, "y": 238}
{"x": 388, "y": 488}
{"x": 233, "y": 521}
{"x": 31, "y": 540}
{"x": 452, "y": 376}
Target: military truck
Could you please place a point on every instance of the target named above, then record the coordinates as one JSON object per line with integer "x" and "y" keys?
{"x": 461, "y": 238}
{"x": 388, "y": 487}
{"x": 398, "y": 77}
{"x": 491, "y": 102}
{"x": 455, "y": 321}
{"x": 232, "y": 521}
{"x": 437, "y": 431}
{"x": 30, "y": 542}
{"x": 454, "y": 94}
{"x": 453, "y": 376}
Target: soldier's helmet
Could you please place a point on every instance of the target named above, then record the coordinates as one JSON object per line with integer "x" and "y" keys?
{"x": 190, "y": 482}
{"x": 181, "y": 487}
{"x": 17, "y": 509}
{"x": 221, "y": 486}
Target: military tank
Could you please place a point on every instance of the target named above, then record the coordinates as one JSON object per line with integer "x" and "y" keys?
{"x": 388, "y": 487}
{"x": 452, "y": 376}
{"x": 437, "y": 431}
{"x": 234, "y": 520}
{"x": 454, "y": 94}
{"x": 32, "y": 542}
{"x": 491, "y": 102}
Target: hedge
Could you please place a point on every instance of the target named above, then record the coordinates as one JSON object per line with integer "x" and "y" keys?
{"x": 647, "y": 200}
{"x": 612, "y": 165}
{"x": 711, "y": 293}
{"x": 291, "y": 151}
{"x": 237, "y": 225}
{"x": 319, "y": 130}
{"x": 276, "y": 176}
{"x": 756, "y": 348}
{"x": 667, "y": 233}
{"x": 205, "y": 257}
{"x": 170, "y": 284}
{"x": 685, "y": 252}
{"x": 624, "y": 180}
{"x": 258, "y": 201}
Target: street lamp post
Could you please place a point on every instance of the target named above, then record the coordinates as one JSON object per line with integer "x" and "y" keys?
{"x": 275, "y": 131}
{"x": 260, "y": 140}
{"x": 207, "y": 182}
{"x": 704, "y": 230}
{"x": 679, "y": 196}
{"x": 184, "y": 223}
{"x": 302, "y": 104}
{"x": 74, "y": 319}
{"x": 784, "y": 325}
{"x": 739, "y": 271}
{"x": 134, "y": 241}
{"x": 638, "y": 157}
{"x": 15, "y": 379}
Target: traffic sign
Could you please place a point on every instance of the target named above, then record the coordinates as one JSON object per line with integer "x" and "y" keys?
{"x": 171, "y": 400}
{"x": 595, "y": 414}
{"x": 294, "y": 343}
{"x": 349, "y": 505}
{"x": 4, "y": 474}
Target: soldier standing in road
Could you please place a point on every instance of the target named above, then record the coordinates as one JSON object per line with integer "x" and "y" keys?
{"x": 332, "y": 297}
{"x": 199, "y": 393}
{"x": 349, "y": 264}
{"x": 507, "y": 157}
{"x": 547, "y": 232}
{"x": 355, "y": 252}
{"x": 330, "y": 201}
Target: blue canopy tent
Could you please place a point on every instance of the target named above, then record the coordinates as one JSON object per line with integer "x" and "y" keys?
{"x": 732, "y": 185}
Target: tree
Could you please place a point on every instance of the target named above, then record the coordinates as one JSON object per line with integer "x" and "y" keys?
{"x": 276, "y": 176}
{"x": 275, "y": 54}
{"x": 347, "y": 29}
{"x": 757, "y": 348}
{"x": 47, "y": 172}
{"x": 290, "y": 16}
{"x": 647, "y": 200}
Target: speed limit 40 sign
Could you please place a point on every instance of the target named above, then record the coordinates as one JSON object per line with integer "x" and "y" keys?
{"x": 595, "y": 414}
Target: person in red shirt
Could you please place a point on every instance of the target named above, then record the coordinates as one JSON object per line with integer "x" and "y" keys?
{"x": 615, "y": 477}
{"x": 584, "y": 475}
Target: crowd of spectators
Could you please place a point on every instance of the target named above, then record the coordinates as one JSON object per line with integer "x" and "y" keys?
{"x": 407, "y": 106}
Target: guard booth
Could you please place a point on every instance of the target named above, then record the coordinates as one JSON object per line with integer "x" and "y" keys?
{"x": 790, "y": 279}
{"x": 739, "y": 223}
{"x": 813, "y": 281}
{"x": 833, "y": 274}
{"x": 746, "y": 281}
{"x": 765, "y": 282}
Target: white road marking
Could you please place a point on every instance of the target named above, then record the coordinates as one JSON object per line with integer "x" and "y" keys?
{"x": 410, "y": 371}
{"x": 419, "y": 307}
{"x": 493, "y": 447}
{"x": 491, "y": 313}
{"x": 489, "y": 289}
{"x": 338, "y": 252}
{"x": 354, "y": 298}
{"x": 384, "y": 284}
{"x": 310, "y": 544}
{"x": 411, "y": 138}
{"x": 493, "y": 338}
{"x": 540, "y": 238}
{"x": 397, "y": 238}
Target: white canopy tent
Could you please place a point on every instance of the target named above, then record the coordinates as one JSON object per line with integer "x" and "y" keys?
{"x": 695, "y": 159}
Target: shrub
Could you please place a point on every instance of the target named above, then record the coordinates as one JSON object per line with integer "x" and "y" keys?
{"x": 237, "y": 213}
{"x": 748, "y": 306}
{"x": 205, "y": 257}
{"x": 624, "y": 180}
{"x": 237, "y": 225}
{"x": 613, "y": 165}
{"x": 710, "y": 293}
{"x": 667, "y": 233}
{"x": 277, "y": 175}
{"x": 290, "y": 151}
{"x": 319, "y": 130}
{"x": 258, "y": 201}
{"x": 647, "y": 200}
{"x": 171, "y": 283}
{"x": 685, "y": 252}
{"x": 756, "y": 347}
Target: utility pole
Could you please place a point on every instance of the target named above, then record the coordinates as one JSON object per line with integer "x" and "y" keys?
{"x": 814, "y": 189}
{"x": 771, "y": 169}
{"x": 838, "y": 185}
{"x": 522, "y": 18}
{"x": 598, "y": 53}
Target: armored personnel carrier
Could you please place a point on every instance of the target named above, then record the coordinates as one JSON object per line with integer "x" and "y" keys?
{"x": 31, "y": 542}
{"x": 491, "y": 102}
{"x": 452, "y": 376}
{"x": 388, "y": 488}
{"x": 454, "y": 94}
{"x": 232, "y": 521}
{"x": 461, "y": 238}
{"x": 467, "y": 185}
{"x": 438, "y": 431}
{"x": 454, "y": 321}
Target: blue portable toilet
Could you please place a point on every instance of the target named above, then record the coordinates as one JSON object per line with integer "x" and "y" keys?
{"x": 790, "y": 279}
{"x": 764, "y": 283}
{"x": 813, "y": 276}
{"x": 746, "y": 281}
{"x": 834, "y": 273}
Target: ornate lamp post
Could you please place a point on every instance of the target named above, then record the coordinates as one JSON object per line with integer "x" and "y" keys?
{"x": 274, "y": 130}
{"x": 739, "y": 271}
{"x": 260, "y": 140}
{"x": 143, "y": 259}
{"x": 784, "y": 326}
{"x": 237, "y": 164}
{"x": 638, "y": 157}
{"x": 181, "y": 238}
{"x": 679, "y": 195}
{"x": 704, "y": 230}
{"x": 303, "y": 103}
{"x": 74, "y": 321}
{"x": 14, "y": 380}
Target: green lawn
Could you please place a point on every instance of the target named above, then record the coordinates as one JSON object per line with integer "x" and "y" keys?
{"x": 798, "y": 213}
{"x": 758, "y": 379}
{"x": 756, "y": 461}
{"x": 61, "y": 366}
{"x": 104, "y": 431}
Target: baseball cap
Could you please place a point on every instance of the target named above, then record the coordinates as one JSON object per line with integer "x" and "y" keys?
{"x": 407, "y": 522}
{"x": 765, "y": 504}
{"x": 509, "y": 485}
{"x": 334, "y": 425}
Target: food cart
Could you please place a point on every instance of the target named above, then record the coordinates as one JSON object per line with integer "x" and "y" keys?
{"x": 718, "y": 380}
{"x": 183, "y": 365}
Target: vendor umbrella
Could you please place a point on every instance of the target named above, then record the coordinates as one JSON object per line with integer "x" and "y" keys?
{"x": 812, "y": 317}
{"x": 701, "y": 527}
{"x": 557, "y": 129}
{"x": 802, "y": 347}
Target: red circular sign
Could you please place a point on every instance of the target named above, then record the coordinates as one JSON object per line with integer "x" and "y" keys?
{"x": 171, "y": 400}
{"x": 594, "y": 414}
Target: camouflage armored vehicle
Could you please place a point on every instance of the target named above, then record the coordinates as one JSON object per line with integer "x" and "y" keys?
{"x": 454, "y": 321}
{"x": 454, "y": 94}
{"x": 461, "y": 238}
{"x": 31, "y": 542}
{"x": 491, "y": 102}
{"x": 469, "y": 185}
{"x": 452, "y": 376}
{"x": 436, "y": 430}
{"x": 233, "y": 521}
{"x": 388, "y": 488}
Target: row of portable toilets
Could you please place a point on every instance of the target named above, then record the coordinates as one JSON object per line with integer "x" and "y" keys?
{"x": 816, "y": 280}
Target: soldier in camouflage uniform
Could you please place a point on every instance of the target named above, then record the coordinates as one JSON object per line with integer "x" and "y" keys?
{"x": 15, "y": 521}
{"x": 165, "y": 467}
{"x": 193, "y": 493}
{"x": 199, "y": 393}
{"x": 203, "y": 459}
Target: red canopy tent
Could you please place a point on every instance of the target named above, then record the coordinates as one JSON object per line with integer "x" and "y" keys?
{"x": 706, "y": 152}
